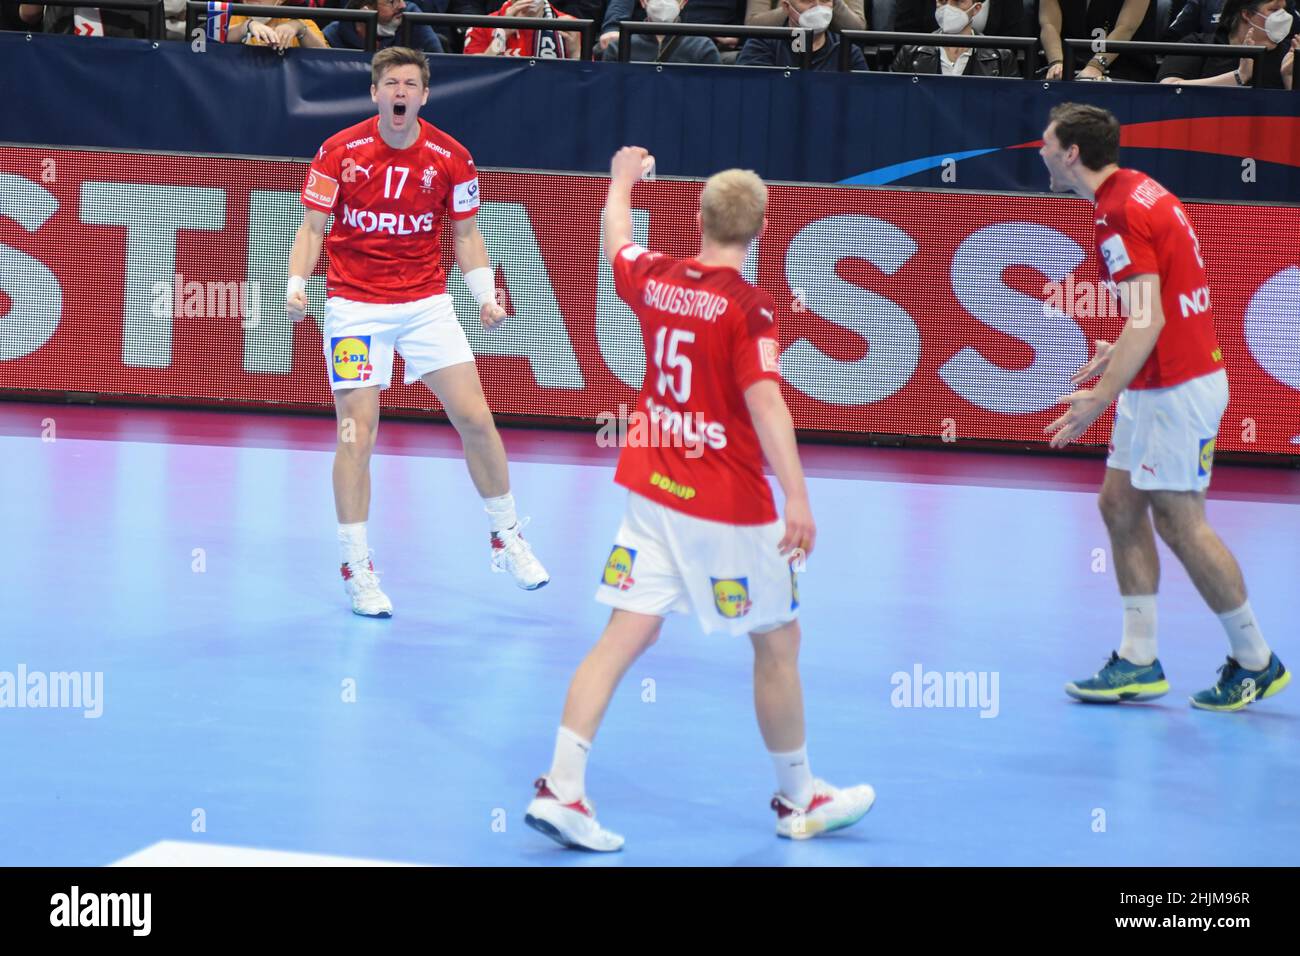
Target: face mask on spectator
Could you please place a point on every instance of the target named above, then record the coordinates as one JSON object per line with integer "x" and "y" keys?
{"x": 816, "y": 18}
{"x": 662, "y": 11}
{"x": 388, "y": 29}
{"x": 981, "y": 19}
{"x": 951, "y": 19}
{"x": 1278, "y": 25}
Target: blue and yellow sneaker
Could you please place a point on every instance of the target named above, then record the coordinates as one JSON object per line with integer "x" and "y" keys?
{"x": 1121, "y": 680}
{"x": 1237, "y": 687}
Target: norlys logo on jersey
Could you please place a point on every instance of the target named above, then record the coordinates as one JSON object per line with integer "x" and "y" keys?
{"x": 1198, "y": 303}
{"x": 395, "y": 224}
{"x": 359, "y": 142}
{"x": 438, "y": 149}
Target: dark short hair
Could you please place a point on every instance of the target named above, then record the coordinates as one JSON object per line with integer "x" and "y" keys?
{"x": 1093, "y": 129}
{"x": 1228, "y": 16}
{"x": 393, "y": 56}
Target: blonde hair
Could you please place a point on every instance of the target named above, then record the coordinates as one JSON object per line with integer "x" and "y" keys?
{"x": 385, "y": 60}
{"x": 732, "y": 206}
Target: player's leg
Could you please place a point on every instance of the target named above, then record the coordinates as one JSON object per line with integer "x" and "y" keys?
{"x": 461, "y": 394}
{"x": 805, "y": 806}
{"x": 1134, "y": 672}
{"x": 438, "y": 353}
{"x": 1252, "y": 671}
{"x": 561, "y": 809}
{"x": 640, "y": 582}
{"x": 359, "y": 351}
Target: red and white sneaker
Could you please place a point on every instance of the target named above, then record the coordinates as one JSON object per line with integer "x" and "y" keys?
{"x": 512, "y": 554}
{"x": 571, "y": 825}
{"x": 830, "y": 809}
{"x": 362, "y": 585}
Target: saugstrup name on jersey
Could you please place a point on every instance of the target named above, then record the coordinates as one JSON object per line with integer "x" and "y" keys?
{"x": 693, "y": 428}
{"x": 395, "y": 224}
{"x": 691, "y": 303}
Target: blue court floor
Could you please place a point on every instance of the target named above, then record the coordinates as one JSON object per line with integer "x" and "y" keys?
{"x": 189, "y": 558}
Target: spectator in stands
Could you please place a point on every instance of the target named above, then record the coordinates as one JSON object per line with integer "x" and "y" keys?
{"x": 1201, "y": 16}
{"x": 700, "y": 11}
{"x": 845, "y": 14}
{"x": 678, "y": 49}
{"x": 278, "y": 32}
{"x": 1264, "y": 23}
{"x": 549, "y": 44}
{"x": 996, "y": 18}
{"x": 955, "y": 18}
{"x": 813, "y": 15}
{"x": 24, "y": 16}
{"x": 1119, "y": 19}
{"x": 351, "y": 34}
{"x": 87, "y": 21}
{"x": 453, "y": 37}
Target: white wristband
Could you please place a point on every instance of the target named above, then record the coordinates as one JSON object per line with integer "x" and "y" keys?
{"x": 294, "y": 285}
{"x": 483, "y": 283}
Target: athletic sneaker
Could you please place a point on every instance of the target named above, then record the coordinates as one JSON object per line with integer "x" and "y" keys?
{"x": 362, "y": 584}
{"x": 511, "y": 553}
{"x": 830, "y": 809}
{"x": 1237, "y": 687}
{"x": 1121, "y": 680}
{"x": 571, "y": 825}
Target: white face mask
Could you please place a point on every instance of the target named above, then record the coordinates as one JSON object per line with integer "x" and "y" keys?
{"x": 388, "y": 29}
{"x": 981, "y": 19}
{"x": 1278, "y": 25}
{"x": 817, "y": 18}
{"x": 662, "y": 11}
{"x": 951, "y": 19}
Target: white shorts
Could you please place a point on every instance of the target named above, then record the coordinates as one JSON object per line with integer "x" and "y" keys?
{"x": 359, "y": 339}
{"x": 731, "y": 576}
{"x": 1164, "y": 437}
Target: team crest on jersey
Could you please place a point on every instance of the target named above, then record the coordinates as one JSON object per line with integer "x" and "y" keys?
{"x": 1207, "y": 457}
{"x": 769, "y": 355}
{"x": 350, "y": 358}
{"x": 618, "y": 569}
{"x": 426, "y": 181}
{"x": 731, "y": 596}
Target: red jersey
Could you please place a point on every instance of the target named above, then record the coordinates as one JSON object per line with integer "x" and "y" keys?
{"x": 519, "y": 43}
{"x": 388, "y": 204}
{"x": 709, "y": 335}
{"x": 1142, "y": 228}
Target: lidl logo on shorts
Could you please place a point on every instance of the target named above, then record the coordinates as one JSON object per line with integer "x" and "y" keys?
{"x": 1207, "y": 457}
{"x": 350, "y": 358}
{"x": 794, "y": 589}
{"x": 618, "y": 569}
{"x": 731, "y": 596}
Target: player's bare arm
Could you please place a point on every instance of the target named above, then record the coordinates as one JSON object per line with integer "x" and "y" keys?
{"x": 775, "y": 430}
{"x": 1118, "y": 364}
{"x": 628, "y": 165}
{"x": 471, "y": 253}
{"x": 302, "y": 261}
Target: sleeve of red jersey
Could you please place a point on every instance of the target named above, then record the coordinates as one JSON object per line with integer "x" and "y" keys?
{"x": 1129, "y": 252}
{"x": 631, "y": 266}
{"x": 320, "y": 191}
{"x": 757, "y": 353}
{"x": 464, "y": 186}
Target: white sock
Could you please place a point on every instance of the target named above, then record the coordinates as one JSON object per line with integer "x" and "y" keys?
{"x": 352, "y": 542}
{"x": 1138, "y": 645}
{"x": 501, "y": 511}
{"x": 1244, "y": 637}
{"x": 793, "y": 776}
{"x": 568, "y": 776}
